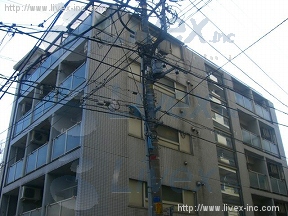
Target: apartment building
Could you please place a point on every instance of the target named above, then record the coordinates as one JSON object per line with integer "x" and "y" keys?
{"x": 75, "y": 148}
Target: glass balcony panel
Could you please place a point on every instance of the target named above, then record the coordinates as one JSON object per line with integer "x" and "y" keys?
{"x": 246, "y": 136}
{"x": 26, "y": 120}
{"x": 253, "y": 179}
{"x": 73, "y": 137}
{"x": 59, "y": 146}
{"x": 24, "y": 87}
{"x": 266, "y": 114}
{"x": 258, "y": 110}
{"x": 42, "y": 154}
{"x": 263, "y": 184}
{"x": 274, "y": 185}
{"x": 282, "y": 187}
{"x": 248, "y": 103}
{"x": 78, "y": 77}
{"x": 35, "y": 212}
{"x": 38, "y": 111}
{"x": 65, "y": 88}
{"x": 34, "y": 76}
{"x": 239, "y": 99}
{"x": 258, "y": 180}
{"x": 18, "y": 170}
{"x": 11, "y": 173}
{"x": 85, "y": 25}
{"x": 53, "y": 209}
{"x": 31, "y": 162}
{"x": 274, "y": 149}
{"x": 48, "y": 101}
{"x": 18, "y": 127}
{"x": 255, "y": 141}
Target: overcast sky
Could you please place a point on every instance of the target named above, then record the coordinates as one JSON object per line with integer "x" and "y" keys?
{"x": 243, "y": 21}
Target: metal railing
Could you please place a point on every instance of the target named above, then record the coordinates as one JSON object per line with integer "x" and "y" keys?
{"x": 258, "y": 180}
{"x": 34, "y": 212}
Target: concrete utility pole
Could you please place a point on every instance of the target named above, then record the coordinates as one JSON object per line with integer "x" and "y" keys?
{"x": 148, "y": 67}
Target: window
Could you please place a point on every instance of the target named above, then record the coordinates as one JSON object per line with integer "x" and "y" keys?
{"x": 134, "y": 71}
{"x": 223, "y": 139}
{"x": 135, "y": 127}
{"x": 172, "y": 88}
{"x": 225, "y": 156}
{"x": 167, "y": 136}
{"x": 173, "y": 138}
{"x": 138, "y": 195}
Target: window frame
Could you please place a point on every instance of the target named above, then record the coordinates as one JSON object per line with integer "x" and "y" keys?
{"x": 172, "y": 93}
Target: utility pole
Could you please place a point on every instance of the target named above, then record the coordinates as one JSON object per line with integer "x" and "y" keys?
{"x": 147, "y": 52}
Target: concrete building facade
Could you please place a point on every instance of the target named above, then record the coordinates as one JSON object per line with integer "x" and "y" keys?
{"x": 74, "y": 148}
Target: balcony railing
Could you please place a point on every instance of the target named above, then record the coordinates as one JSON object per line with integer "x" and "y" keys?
{"x": 269, "y": 147}
{"x": 66, "y": 141}
{"x": 26, "y": 84}
{"x": 261, "y": 111}
{"x": 37, "y": 158}
{"x": 72, "y": 82}
{"x": 243, "y": 101}
{"x": 63, "y": 207}
{"x": 34, "y": 212}
{"x": 278, "y": 186}
{"x": 23, "y": 123}
{"x": 258, "y": 180}
{"x": 250, "y": 138}
{"x": 15, "y": 171}
{"x": 43, "y": 106}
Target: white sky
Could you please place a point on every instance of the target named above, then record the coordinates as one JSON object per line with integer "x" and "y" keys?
{"x": 246, "y": 20}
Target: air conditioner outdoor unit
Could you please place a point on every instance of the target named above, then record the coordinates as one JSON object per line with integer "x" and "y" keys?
{"x": 39, "y": 137}
{"x": 30, "y": 193}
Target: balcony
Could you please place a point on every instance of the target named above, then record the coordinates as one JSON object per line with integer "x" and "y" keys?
{"x": 43, "y": 106}
{"x": 63, "y": 207}
{"x": 72, "y": 82}
{"x": 67, "y": 141}
{"x": 269, "y": 147}
{"x": 22, "y": 123}
{"x": 37, "y": 158}
{"x": 250, "y": 138}
{"x": 26, "y": 84}
{"x": 261, "y": 111}
{"x": 278, "y": 186}
{"x": 258, "y": 180}
{"x": 15, "y": 171}
{"x": 244, "y": 102}
{"x": 34, "y": 212}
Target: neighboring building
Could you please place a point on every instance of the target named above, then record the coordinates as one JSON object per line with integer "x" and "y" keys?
{"x": 73, "y": 146}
